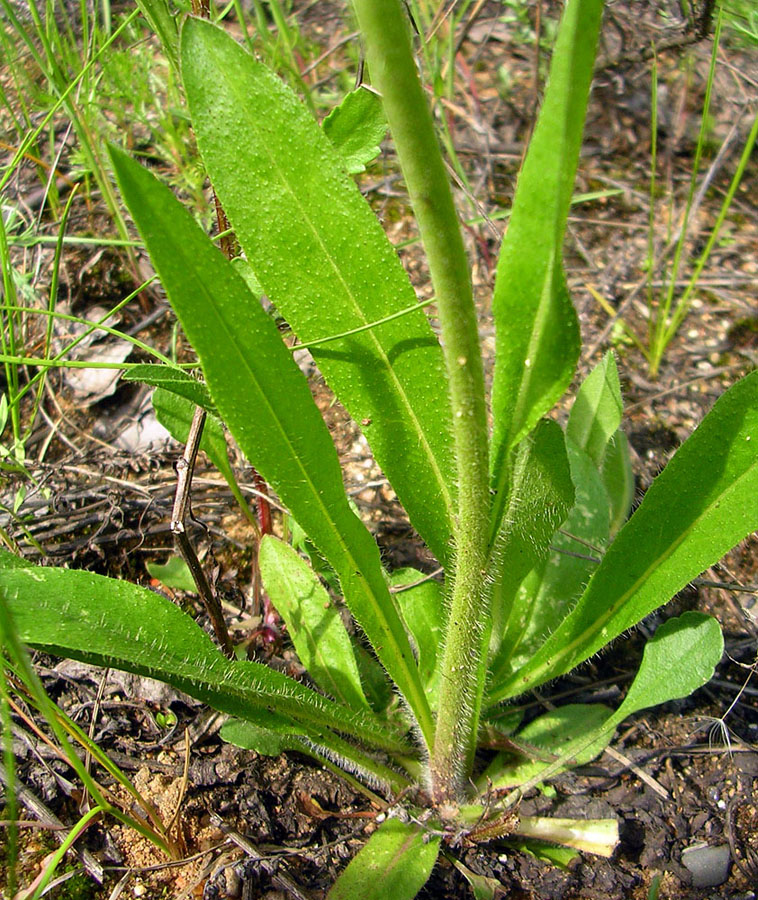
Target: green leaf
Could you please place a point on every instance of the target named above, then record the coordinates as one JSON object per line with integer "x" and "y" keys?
{"x": 9, "y": 560}
{"x": 176, "y": 381}
{"x": 243, "y": 268}
{"x": 173, "y": 574}
{"x": 376, "y": 685}
{"x": 680, "y": 658}
{"x": 537, "y": 330}
{"x": 423, "y": 611}
{"x": 559, "y": 732}
{"x": 114, "y": 623}
{"x": 271, "y": 734}
{"x": 314, "y": 624}
{"x": 324, "y": 261}
{"x": 482, "y": 887}
{"x": 702, "y": 504}
{"x": 541, "y": 494}
{"x": 356, "y": 128}
{"x": 265, "y": 401}
{"x": 546, "y": 595}
{"x": 561, "y": 857}
{"x": 395, "y": 863}
{"x": 597, "y": 410}
{"x": 266, "y": 741}
{"x": 618, "y": 478}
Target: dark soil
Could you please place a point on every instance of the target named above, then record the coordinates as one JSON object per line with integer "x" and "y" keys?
{"x": 252, "y": 826}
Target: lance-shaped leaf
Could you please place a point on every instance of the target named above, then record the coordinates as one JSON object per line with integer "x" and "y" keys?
{"x": 546, "y": 595}
{"x": 114, "y": 623}
{"x": 537, "y": 331}
{"x": 324, "y": 261}
{"x": 423, "y": 610}
{"x": 541, "y": 493}
{"x": 271, "y": 734}
{"x": 559, "y": 732}
{"x": 396, "y": 862}
{"x": 265, "y": 401}
{"x": 313, "y": 622}
{"x": 618, "y": 479}
{"x": 702, "y": 504}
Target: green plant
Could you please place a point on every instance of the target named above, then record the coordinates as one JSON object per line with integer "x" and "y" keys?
{"x": 667, "y": 310}
{"x": 58, "y": 58}
{"x": 408, "y": 718}
{"x": 22, "y": 692}
{"x": 741, "y": 18}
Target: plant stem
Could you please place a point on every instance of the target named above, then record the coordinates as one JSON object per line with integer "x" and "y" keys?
{"x": 393, "y": 73}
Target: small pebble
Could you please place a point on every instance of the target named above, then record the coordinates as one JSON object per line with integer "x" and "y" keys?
{"x": 708, "y": 866}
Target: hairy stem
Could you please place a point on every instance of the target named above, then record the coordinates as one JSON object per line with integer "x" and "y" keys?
{"x": 393, "y": 72}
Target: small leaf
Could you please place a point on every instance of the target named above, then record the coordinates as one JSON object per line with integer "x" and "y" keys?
{"x": 546, "y": 595}
{"x": 314, "y": 624}
{"x": 395, "y": 863}
{"x": 561, "y": 857}
{"x": 376, "y": 685}
{"x": 243, "y": 268}
{"x": 559, "y": 732}
{"x": 356, "y": 128}
{"x": 266, "y": 741}
{"x": 597, "y": 410}
{"x": 423, "y": 611}
{"x": 271, "y": 735}
{"x": 176, "y": 381}
{"x": 482, "y": 887}
{"x": 174, "y": 574}
{"x": 680, "y": 658}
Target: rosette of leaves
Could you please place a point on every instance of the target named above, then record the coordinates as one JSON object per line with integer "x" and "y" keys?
{"x": 542, "y": 570}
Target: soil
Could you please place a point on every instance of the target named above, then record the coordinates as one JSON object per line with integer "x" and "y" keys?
{"x": 249, "y": 826}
